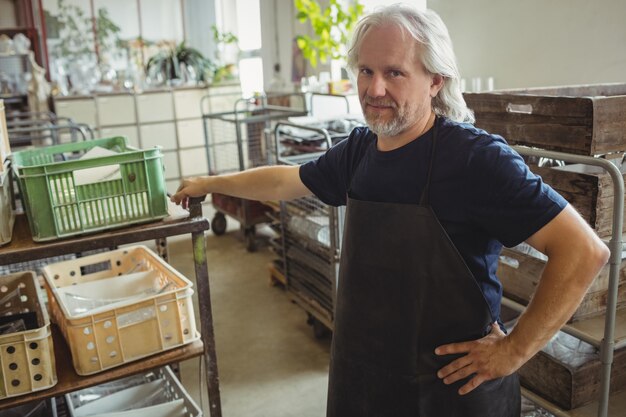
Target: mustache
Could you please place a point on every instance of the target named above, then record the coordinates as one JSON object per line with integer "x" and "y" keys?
{"x": 378, "y": 102}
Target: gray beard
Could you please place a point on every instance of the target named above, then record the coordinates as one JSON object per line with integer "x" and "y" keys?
{"x": 388, "y": 129}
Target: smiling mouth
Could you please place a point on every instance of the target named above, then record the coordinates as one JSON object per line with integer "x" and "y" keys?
{"x": 378, "y": 107}
{"x": 380, "y": 104}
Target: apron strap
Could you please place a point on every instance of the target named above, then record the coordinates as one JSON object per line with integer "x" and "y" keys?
{"x": 425, "y": 198}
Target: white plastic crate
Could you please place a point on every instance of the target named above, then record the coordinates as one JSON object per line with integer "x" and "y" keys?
{"x": 155, "y": 394}
{"x": 26, "y": 352}
{"x": 119, "y": 306}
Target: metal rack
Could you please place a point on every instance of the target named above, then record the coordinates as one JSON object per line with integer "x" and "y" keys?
{"x": 311, "y": 234}
{"x": 43, "y": 128}
{"x": 311, "y": 239}
{"x": 606, "y": 341}
{"x": 23, "y": 249}
{"x": 235, "y": 141}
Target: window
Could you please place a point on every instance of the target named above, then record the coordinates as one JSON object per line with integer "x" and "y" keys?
{"x": 249, "y": 34}
{"x": 126, "y": 33}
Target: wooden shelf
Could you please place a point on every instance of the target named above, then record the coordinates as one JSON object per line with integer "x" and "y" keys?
{"x": 22, "y": 248}
{"x": 617, "y": 406}
{"x": 69, "y": 380}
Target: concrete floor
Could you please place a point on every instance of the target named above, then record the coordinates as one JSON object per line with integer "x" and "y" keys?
{"x": 269, "y": 362}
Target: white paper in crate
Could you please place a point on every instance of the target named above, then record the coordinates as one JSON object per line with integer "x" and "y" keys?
{"x": 97, "y": 174}
{"x": 172, "y": 409}
{"x": 101, "y": 295}
{"x": 143, "y": 398}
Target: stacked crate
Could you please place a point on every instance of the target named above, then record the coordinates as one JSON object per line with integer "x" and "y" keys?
{"x": 26, "y": 351}
{"x": 581, "y": 120}
{"x": 103, "y": 302}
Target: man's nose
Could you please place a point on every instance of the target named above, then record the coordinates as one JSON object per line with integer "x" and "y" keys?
{"x": 376, "y": 87}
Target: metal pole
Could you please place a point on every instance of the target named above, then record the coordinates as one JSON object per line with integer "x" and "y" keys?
{"x": 206, "y": 316}
{"x": 615, "y": 245}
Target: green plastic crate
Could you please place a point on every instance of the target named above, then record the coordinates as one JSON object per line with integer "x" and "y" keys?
{"x": 58, "y": 205}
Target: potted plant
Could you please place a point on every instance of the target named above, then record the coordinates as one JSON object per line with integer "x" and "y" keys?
{"x": 331, "y": 26}
{"x": 171, "y": 63}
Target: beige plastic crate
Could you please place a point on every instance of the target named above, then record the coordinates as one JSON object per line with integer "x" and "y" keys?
{"x": 26, "y": 357}
{"x": 7, "y": 212}
{"x": 115, "y": 328}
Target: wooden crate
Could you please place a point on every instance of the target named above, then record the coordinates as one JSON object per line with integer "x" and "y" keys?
{"x": 567, "y": 386}
{"x": 589, "y": 189}
{"x": 520, "y": 274}
{"x": 585, "y": 120}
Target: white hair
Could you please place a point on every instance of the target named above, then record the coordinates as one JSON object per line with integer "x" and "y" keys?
{"x": 437, "y": 56}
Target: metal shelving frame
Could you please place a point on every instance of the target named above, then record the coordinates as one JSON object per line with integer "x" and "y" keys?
{"x": 607, "y": 344}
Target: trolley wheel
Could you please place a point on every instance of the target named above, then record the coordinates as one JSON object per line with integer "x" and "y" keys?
{"x": 218, "y": 224}
{"x": 250, "y": 237}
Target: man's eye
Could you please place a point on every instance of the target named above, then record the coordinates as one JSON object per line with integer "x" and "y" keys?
{"x": 395, "y": 74}
{"x": 365, "y": 71}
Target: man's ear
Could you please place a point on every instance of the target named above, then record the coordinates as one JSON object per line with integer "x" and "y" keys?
{"x": 436, "y": 84}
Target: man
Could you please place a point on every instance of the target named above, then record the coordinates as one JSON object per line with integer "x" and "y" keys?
{"x": 430, "y": 201}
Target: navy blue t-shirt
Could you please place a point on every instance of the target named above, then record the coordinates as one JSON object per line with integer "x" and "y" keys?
{"x": 481, "y": 190}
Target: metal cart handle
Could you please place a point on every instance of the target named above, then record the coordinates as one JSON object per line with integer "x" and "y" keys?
{"x": 14, "y": 134}
{"x": 321, "y": 131}
{"x": 32, "y": 115}
{"x": 17, "y": 123}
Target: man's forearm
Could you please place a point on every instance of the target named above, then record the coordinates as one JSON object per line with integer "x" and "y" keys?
{"x": 263, "y": 183}
{"x": 563, "y": 284}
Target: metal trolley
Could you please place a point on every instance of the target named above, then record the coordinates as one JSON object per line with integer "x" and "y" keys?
{"x": 44, "y": 128}
{"x": 235, "y": 141}
{"x": 311, "y": 234}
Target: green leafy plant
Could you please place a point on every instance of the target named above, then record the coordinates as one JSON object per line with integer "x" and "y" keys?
{"x": 168, "y": 63}
{"x": 74, "y": 30}
{"x": 223, "y": 38}
{"x": 223, "y": 70}
{"x": 107, "y": 33}
{"x": 331, "y": 25}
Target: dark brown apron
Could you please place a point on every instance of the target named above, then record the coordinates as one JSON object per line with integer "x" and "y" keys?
{"x": 404, "y": 290}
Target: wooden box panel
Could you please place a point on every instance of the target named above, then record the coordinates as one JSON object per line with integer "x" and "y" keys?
{"x": 571, "y": 387}
{"x": 585, "y": 120}
{"x": 520, "y": 274}
{"x": 589, "y": 189}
